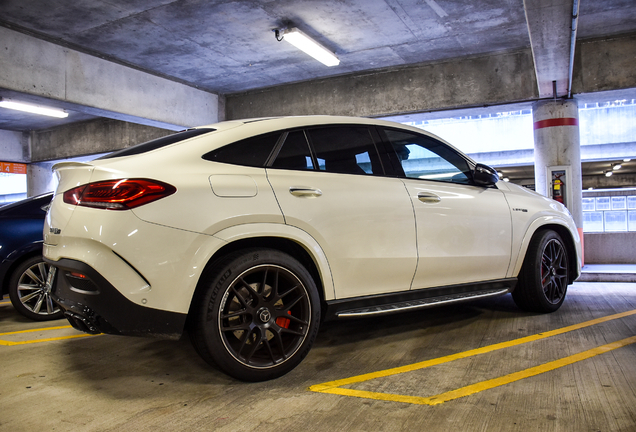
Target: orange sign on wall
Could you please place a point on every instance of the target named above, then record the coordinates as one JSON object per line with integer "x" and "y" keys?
{"x": 13, "y": 168}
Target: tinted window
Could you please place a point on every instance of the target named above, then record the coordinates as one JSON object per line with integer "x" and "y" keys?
{"x": 252, "y": 151}
{"x": 345, "y": 149}
{"x": 426, "y": 158}
{"x": 294, "y": 154}
{"x": 157, "y": 143}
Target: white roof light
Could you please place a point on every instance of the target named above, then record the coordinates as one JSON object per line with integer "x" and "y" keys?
{"x": 34, "y": 109}
{"x": 304, "y": 43}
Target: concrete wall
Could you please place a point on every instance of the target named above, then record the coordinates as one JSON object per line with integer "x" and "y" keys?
{"x": 610, "y": 248}
{"x": 90, "y": 137}
{"x": 95, "y": 86}
{"x": 13, "y": 147}
{"x": 476, "y": 81}
{"x": 606, "y": 64}
{"x": 490, "y": 79}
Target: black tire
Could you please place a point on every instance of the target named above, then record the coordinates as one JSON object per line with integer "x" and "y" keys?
{"x": 256, "y": 315}
{"x": 30, "y": 290}
{"x": 543, "y": 280}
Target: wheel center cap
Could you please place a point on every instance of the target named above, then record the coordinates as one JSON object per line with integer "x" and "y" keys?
{"x": 264, "y": 314}
{"x": 553, "y": 271}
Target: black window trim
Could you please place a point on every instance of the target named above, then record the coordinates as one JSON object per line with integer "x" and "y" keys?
{"x": 158, "y": 143}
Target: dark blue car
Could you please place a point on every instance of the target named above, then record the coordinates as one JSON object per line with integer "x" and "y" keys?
{"x": 23, "y": 274}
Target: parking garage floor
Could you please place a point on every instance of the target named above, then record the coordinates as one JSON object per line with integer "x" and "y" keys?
{"x": 483, "y": 366}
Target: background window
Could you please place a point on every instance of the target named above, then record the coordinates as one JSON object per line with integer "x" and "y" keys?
{"x": 593, "y": 222}
{"x": 603, "y": 203}
{"x": 615, "y": 221}
{"x": 588, "y": 204}
{"x": 619, "y": 202}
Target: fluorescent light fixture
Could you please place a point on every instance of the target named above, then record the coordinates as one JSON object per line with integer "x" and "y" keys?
{"x": 608, "y": 173}
{"x": 304, "y": 43}
{"x": 34, "y": 109}
{"x": 617, "y": 166}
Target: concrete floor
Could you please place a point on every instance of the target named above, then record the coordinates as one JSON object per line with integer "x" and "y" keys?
{"x": 110, "y": 383}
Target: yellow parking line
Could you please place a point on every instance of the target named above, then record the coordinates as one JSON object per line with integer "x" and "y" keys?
{"x": 333, "y": 387}
{"x": 35, "y": 330}
{"x": 484, "y": 385}
{"x": 11, "y": 343}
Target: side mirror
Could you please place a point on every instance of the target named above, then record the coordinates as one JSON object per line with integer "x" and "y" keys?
{"x": 483, "y": 175}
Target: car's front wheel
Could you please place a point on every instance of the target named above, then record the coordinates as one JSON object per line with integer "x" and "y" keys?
{"x": 257, "y": 314}
{"x": 543, "y": 280}
{"x": 30, "y": 290}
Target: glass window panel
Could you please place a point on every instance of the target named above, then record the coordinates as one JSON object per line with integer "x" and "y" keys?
{"x": 615, "y": 221}
{"x": 252, "y": 151}
{"x": 602, "y": 203}
{"x": 631, "y": 202}
{"x": 295, "y": 153}
{"x": 345, "y": 149}
{"x": 425, "y": 158}
{"x": 588, "y": 204}
{"x": 631, "y": 218}
{"x": 593, "y": 222}
{"x": 618, "y": 202}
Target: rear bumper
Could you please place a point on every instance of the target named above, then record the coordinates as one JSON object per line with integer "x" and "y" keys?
{"x": 93, "y": 305}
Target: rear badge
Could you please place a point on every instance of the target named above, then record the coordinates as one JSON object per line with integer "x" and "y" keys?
{"x": 55, "y": 231}
{"x": 520, "y": 210}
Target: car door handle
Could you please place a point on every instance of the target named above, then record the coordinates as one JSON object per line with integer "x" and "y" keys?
{"x": 305, "y": 192}
{"x": 428, "y": 197}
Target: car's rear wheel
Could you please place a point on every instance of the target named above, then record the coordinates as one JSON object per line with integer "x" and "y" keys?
{"x": 257, "y": 314}
{"x": 30, "y": 290}
{"x": 543, "y": 280}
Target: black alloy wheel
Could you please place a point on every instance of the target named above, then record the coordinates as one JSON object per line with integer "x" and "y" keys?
{"x": 259, "y": 316}
{"x": 544, "y": 277}
{"x": 554, "y": 271}
{"x": 30, "y": 290}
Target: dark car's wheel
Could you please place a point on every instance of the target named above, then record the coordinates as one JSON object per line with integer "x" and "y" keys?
{"x": 543, "y": 280}
{"x": 30, "y": 290}
{"x": 257, "y": 315}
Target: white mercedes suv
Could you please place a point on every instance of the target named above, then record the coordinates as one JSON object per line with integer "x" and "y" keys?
{"x": 248, "y": 233}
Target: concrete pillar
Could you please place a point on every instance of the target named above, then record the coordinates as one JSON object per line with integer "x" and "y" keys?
{"x": 557, "y": 149}
{"x": 40, "y": 178}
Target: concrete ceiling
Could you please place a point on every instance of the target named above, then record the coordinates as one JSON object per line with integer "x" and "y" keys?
{"x": 228, "y": 46}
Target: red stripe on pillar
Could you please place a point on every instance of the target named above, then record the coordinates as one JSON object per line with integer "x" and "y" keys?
{"x": 567, "y": 121}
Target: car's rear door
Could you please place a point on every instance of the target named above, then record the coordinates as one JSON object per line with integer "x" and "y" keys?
{"x": 363, "y": 220}
{"x": 463, "y": 230}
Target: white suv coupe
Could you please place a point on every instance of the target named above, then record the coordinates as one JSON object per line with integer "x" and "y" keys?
{"x": 248, "y": 233}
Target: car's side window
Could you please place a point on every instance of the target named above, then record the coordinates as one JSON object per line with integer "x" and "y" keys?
{"x": 345, "y": 150}
{"x": 252, "y": 151}
{"x": 426, "y": 158}
{"x": 294, "y": 154}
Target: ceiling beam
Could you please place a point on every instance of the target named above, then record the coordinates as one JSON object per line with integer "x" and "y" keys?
{"x": 550, "y": 30}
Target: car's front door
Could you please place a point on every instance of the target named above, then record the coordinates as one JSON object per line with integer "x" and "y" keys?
{"x": 463, "y": 230}
{"x": 363, "y": 221}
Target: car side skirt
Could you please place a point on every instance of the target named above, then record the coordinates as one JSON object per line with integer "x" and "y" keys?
{"x": 416, "y": 299}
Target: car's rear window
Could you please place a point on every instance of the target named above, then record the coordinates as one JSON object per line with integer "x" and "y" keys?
{"x": 157, "y": 143}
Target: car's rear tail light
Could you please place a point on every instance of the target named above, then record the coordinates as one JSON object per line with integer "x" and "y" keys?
{"x": 120, "y": 194}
